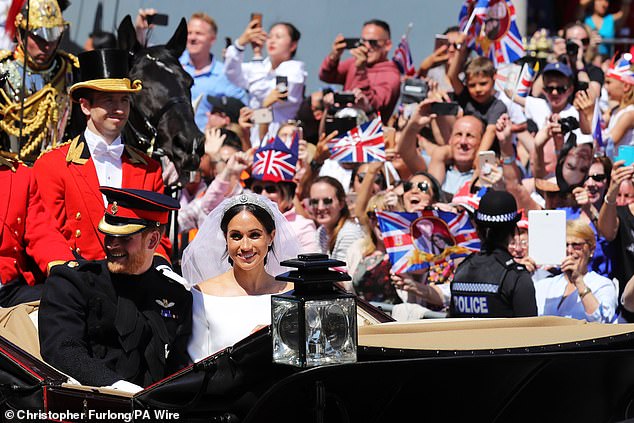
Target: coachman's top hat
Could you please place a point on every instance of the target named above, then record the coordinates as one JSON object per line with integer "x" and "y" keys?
{"x": 104, "y": 70}
{"x": 133, "y": 210}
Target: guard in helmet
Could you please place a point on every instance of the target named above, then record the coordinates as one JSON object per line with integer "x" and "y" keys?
{"x": 490, "y": 283}
{"x": 34, "y": 116}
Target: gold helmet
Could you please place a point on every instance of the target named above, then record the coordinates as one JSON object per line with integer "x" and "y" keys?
{"x": 45, "y": 19}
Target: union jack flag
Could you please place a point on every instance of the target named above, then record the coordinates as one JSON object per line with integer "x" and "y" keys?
{"x": 527, "y": 76}
{"x": 361, "y": 144}
{"x": 597, "y": 125}
{"x": 414, "y": 241}
{"x": 469, "y": 8}
{"x": 276, "y": 160}
{"x": 403, "y": 58}
{"x": 493, "y": 32}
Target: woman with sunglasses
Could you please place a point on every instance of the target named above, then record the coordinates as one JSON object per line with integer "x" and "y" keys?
{"x": 336, "y": 231}
{"x": 421, "y": 190}
{"x": 577, "y": 292}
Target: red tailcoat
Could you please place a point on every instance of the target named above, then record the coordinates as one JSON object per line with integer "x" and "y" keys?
{"x": 69, "y": 186}
{"x": 30, "y": 240}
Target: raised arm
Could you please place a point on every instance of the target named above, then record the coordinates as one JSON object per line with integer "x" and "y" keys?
{"x": 608, "y": 218}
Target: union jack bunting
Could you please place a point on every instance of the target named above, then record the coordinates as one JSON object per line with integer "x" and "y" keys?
{"x": 361, "y": 144}
{"x": 494, "y": 32}
{"x": 414, "y": 241}
{"x": 526, "y": 79}
{"x": 276, "y": 160}
{"x": 403, "y": 58}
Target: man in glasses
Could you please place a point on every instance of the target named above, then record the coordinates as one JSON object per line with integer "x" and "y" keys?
{"x": 369, "y": 73}
{"x": 49, "y": 72}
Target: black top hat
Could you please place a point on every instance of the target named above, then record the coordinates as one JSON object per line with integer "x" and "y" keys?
{"x": 104, "y": 70}
{"x": 497, "y": 208}
{"x": 132, "y": 210}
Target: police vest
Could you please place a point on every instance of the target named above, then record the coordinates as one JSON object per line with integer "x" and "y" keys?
{"x": 477, "y": 289}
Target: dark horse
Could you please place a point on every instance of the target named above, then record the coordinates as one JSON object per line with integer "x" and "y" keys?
{"x": 161, "y": 118}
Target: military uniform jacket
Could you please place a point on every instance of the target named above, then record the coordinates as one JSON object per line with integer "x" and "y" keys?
{"x": 100, "y": 327}
{"x": 29, "y": 237}
{"x": 69, "y": 186}
{"x": 492, "y": 285}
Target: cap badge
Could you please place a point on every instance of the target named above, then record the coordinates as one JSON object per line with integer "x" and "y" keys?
{"x": 164, "y": 303}
{"x": 115, "y": 208}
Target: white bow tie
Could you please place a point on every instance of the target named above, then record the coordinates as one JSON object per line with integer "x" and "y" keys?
{"x": 104, "y": 151}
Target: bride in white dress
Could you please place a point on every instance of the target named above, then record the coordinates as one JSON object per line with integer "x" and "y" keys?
{"x": 232, "y": 263}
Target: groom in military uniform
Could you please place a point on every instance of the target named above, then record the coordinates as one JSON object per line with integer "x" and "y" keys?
{"x": 35, "y": 115}
{"x": 119, "y": 322}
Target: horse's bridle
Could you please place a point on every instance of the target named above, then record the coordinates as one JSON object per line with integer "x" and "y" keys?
{"x": 151, "y": 124}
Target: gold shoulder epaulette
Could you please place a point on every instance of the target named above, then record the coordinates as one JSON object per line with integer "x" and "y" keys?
{"x": 70, "y": 57}
{"x": 5, "y": 54}
{"x": 54, "y": 148}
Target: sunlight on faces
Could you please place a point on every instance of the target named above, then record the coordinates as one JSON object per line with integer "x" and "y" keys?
{"x": 626, "y": 193}
{"x": 131, "y": 255}
{"x": 557, "y": 99}
{"x": 601, "y": 7}
{"x": 107, "y": 112}
{"x": 596, "y": 189}
{"x": 39, "y": 50}
{"x": 325, "y": 214}
{"x": 615, "y": 88}
{"x": 286, "y": 132}
{"x": 576, "y": 164}
{"x": 247, "y": 241}
{"x": 360, "y": 174}
{"x": 480, "y": 88}
{"x": 379, "y": 53}
{"x": 200, "y": 37}
{"x": 577, "y": 248}
{"x": 415, "y": 199}
{"x": 518, "y": 247}
{"x": 279, "y": 45}
{"x": 465, "y": 140}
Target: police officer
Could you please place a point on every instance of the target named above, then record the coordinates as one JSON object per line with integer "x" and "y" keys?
{"x": 490, "y": 283}
{"x": 119, "y": 322}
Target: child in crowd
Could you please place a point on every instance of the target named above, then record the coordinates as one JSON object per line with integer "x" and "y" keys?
{"x": 620, "y": 86}
{"x": 479, "y": 97}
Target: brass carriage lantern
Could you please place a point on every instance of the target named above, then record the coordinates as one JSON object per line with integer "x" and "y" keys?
{"x": 316, "y": 323}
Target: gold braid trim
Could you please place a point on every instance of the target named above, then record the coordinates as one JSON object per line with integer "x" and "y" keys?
{"x": 40, "y": 110}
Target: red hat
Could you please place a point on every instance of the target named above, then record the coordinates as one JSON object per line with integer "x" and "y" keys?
{"x": 132, "y": 210}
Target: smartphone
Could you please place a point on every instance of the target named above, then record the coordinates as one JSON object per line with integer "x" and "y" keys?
{"x": 281, "y": 83}
{"x": 626, "y": 152}
{"x": 547, "y": 236}
{"x": 445, "y": 109}
{"x": 257, "y": 17}
{"x": 261, "y": 116}
{"x": 227, "y": 42}
{"x": 486, "y": 162}
{"x": 440, "y": 40}
{"x": 352, "y": 43}
{"x": 158, "y": 19}
{"x": 344, "y": 98}
{"x": 341, "y": 125}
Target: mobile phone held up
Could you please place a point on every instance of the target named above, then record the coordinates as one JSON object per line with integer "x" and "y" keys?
{"x": 352, "y": 43}
{"x": 486, "y": 163}
{"x": 626, "y": 152}
{"x": 281, "y": 84}
{"x": 158, "y": 19}
{"x": 440, "y": 40}
{"x": 262, "y": 116}
{"x": 445, "y": 109}
{"x": 258, "y": 18}
{"x": 344, "y": 99}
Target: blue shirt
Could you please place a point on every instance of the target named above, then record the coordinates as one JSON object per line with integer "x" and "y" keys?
{"x": 607, "y": 30}
{"x": 210, "y": 82}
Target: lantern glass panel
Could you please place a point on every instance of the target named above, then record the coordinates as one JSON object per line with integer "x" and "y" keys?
{"x": 331, "y": 331}
{"x": 286, "y": 336}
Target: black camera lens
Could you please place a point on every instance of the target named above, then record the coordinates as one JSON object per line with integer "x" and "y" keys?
{"x": 568, "y": 124}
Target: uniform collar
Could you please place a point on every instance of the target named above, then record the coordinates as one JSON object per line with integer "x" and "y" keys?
{"x": 79, "y": 153}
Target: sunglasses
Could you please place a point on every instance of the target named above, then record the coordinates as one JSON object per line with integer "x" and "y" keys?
{"x": 372, "y": 43}
{"x": 577, "y": 246}
{"x": 378, "y": 179}
{"x": 314, "y": 202}
{"x": 551, "y": 88}
{"x": 270, "y": 189}
{"x": 422, "y": 186}
{"x": 599, "y": 177}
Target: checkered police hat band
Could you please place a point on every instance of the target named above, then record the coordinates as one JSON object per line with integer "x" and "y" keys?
{"x": 498, "y": 218}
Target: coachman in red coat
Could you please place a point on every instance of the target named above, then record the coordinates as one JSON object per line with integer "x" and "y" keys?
{"x": 70, "y": 175}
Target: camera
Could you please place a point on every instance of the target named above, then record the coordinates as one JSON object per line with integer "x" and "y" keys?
{"x": 414, "y": 90}
{"x": 572, "y": 48}
{"x": 568, "y": 124}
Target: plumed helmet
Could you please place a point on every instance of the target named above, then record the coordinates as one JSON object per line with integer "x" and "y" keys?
{"x": 44, "y": 19}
